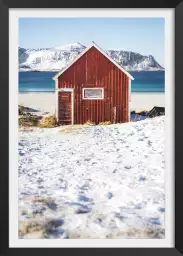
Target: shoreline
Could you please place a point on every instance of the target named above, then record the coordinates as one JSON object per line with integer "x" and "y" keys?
{"x": 54, "y": 92}
{"x": 57, "y": 70}
{"x": 45, "y": 101}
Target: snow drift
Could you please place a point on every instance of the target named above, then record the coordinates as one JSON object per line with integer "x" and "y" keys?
{"x": 92, "y": 181}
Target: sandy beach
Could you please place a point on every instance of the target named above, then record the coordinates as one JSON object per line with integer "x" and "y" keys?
{"x": 45, "y": 101}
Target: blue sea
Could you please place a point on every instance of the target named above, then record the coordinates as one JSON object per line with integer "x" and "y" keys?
{"x": 42, "y": 81}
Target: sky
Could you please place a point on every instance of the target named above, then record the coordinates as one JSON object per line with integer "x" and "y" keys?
{"x": 142, "y": 35}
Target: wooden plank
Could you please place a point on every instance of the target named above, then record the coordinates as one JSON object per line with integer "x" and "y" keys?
{"x": 65, "y": 107}
{"x": 94, "y": 70}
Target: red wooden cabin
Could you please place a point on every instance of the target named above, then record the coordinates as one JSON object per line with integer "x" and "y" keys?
{"x": 94, "y": 87}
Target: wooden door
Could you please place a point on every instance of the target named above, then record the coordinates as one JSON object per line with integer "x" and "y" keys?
{"x": 65, "y": 107}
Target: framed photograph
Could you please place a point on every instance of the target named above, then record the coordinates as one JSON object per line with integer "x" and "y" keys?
{"x": 90, "y": 150}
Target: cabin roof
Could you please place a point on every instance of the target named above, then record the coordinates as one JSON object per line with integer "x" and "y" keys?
{"x": 83, "y": 52}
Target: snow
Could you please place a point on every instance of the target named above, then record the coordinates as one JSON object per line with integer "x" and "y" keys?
{"x": 71, "y": 47}
{"x": 98, "y": 181}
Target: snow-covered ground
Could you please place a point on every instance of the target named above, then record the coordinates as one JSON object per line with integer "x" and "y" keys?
{"x": 92, "y": 181}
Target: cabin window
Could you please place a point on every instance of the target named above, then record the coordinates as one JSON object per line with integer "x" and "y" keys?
{"x": 93, "y": 93}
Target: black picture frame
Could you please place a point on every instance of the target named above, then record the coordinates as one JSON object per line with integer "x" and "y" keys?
{"x": 4, "y": 126}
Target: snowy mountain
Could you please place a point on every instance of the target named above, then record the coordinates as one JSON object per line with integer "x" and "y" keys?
{"x": 132, "y": 61}
{"x": 56, "y": 58}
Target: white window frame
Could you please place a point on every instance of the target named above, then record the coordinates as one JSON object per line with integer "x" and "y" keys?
{"x": 96, "y": 88}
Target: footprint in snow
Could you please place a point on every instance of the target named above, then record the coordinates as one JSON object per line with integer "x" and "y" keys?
{"x": 52, "y": 228}
{"x": 149, "y": 143}
{"x": 38, "y": 209}
{"x": 127, "y": 166}
{"x": 109, "y": 195}
{"x": 22, "y": 153}
{"x": 142, "y": 178}
{"x": 119, "y": 216}
{"x": 84, "y": 187}
{"x": 83, "y": 209}
{"x": 138, "y": 206}
{"x": 161, "y": 209}
{"x": 155, "y": 221}
{"x": 141, "y": 139}
{"x": 84, "y": 198}
{"x": 54, "y": 233}
{"x": 54, "y": 223}
{"x": 40, "y": 187}
{"x": 98, "y": 221}
{"x": 130, "y": 134}
{"x": 87, "y": 159}
{"x": 52, "y": 206}
{"x": 40, "y": 180}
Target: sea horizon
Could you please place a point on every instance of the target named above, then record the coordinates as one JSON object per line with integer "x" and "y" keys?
{"x": 144, "y": 82}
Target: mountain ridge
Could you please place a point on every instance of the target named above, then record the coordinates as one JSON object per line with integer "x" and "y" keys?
{"x": 56, "y": 58}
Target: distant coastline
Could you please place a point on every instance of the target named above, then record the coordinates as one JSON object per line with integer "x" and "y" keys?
{"x": 30, "y": 70}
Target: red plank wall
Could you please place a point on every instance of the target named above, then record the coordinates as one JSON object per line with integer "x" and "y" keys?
{"x": 93, "y": 69}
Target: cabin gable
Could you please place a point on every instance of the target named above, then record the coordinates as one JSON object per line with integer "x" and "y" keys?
{"x": 92, "y": 71}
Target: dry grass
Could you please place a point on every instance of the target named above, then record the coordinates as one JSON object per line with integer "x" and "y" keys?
{"x": 105, "y": 123}
{"x": 45, "y": 228}
{"x": 135, "y": 233}
{"x": 28, "y": 121}
{"x": 75, "y": 236}
{"x": 29, "y": 226}
{"x": 131, "y": 233}
{"x": 48, "y": 121}
{"x": 40, "y": 228}
{"x": 35, "y": 235}
{"x": 26, "y": 128}
{"x": 20, "y": 109}
{"x": 71, "y": 128}
{"x": 49, "y": 202}
{"x": 89, "y": 123}
{"x": 42, "y": 200}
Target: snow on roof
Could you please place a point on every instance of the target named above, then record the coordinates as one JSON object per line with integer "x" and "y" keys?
{"x": 83, "y": 52}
